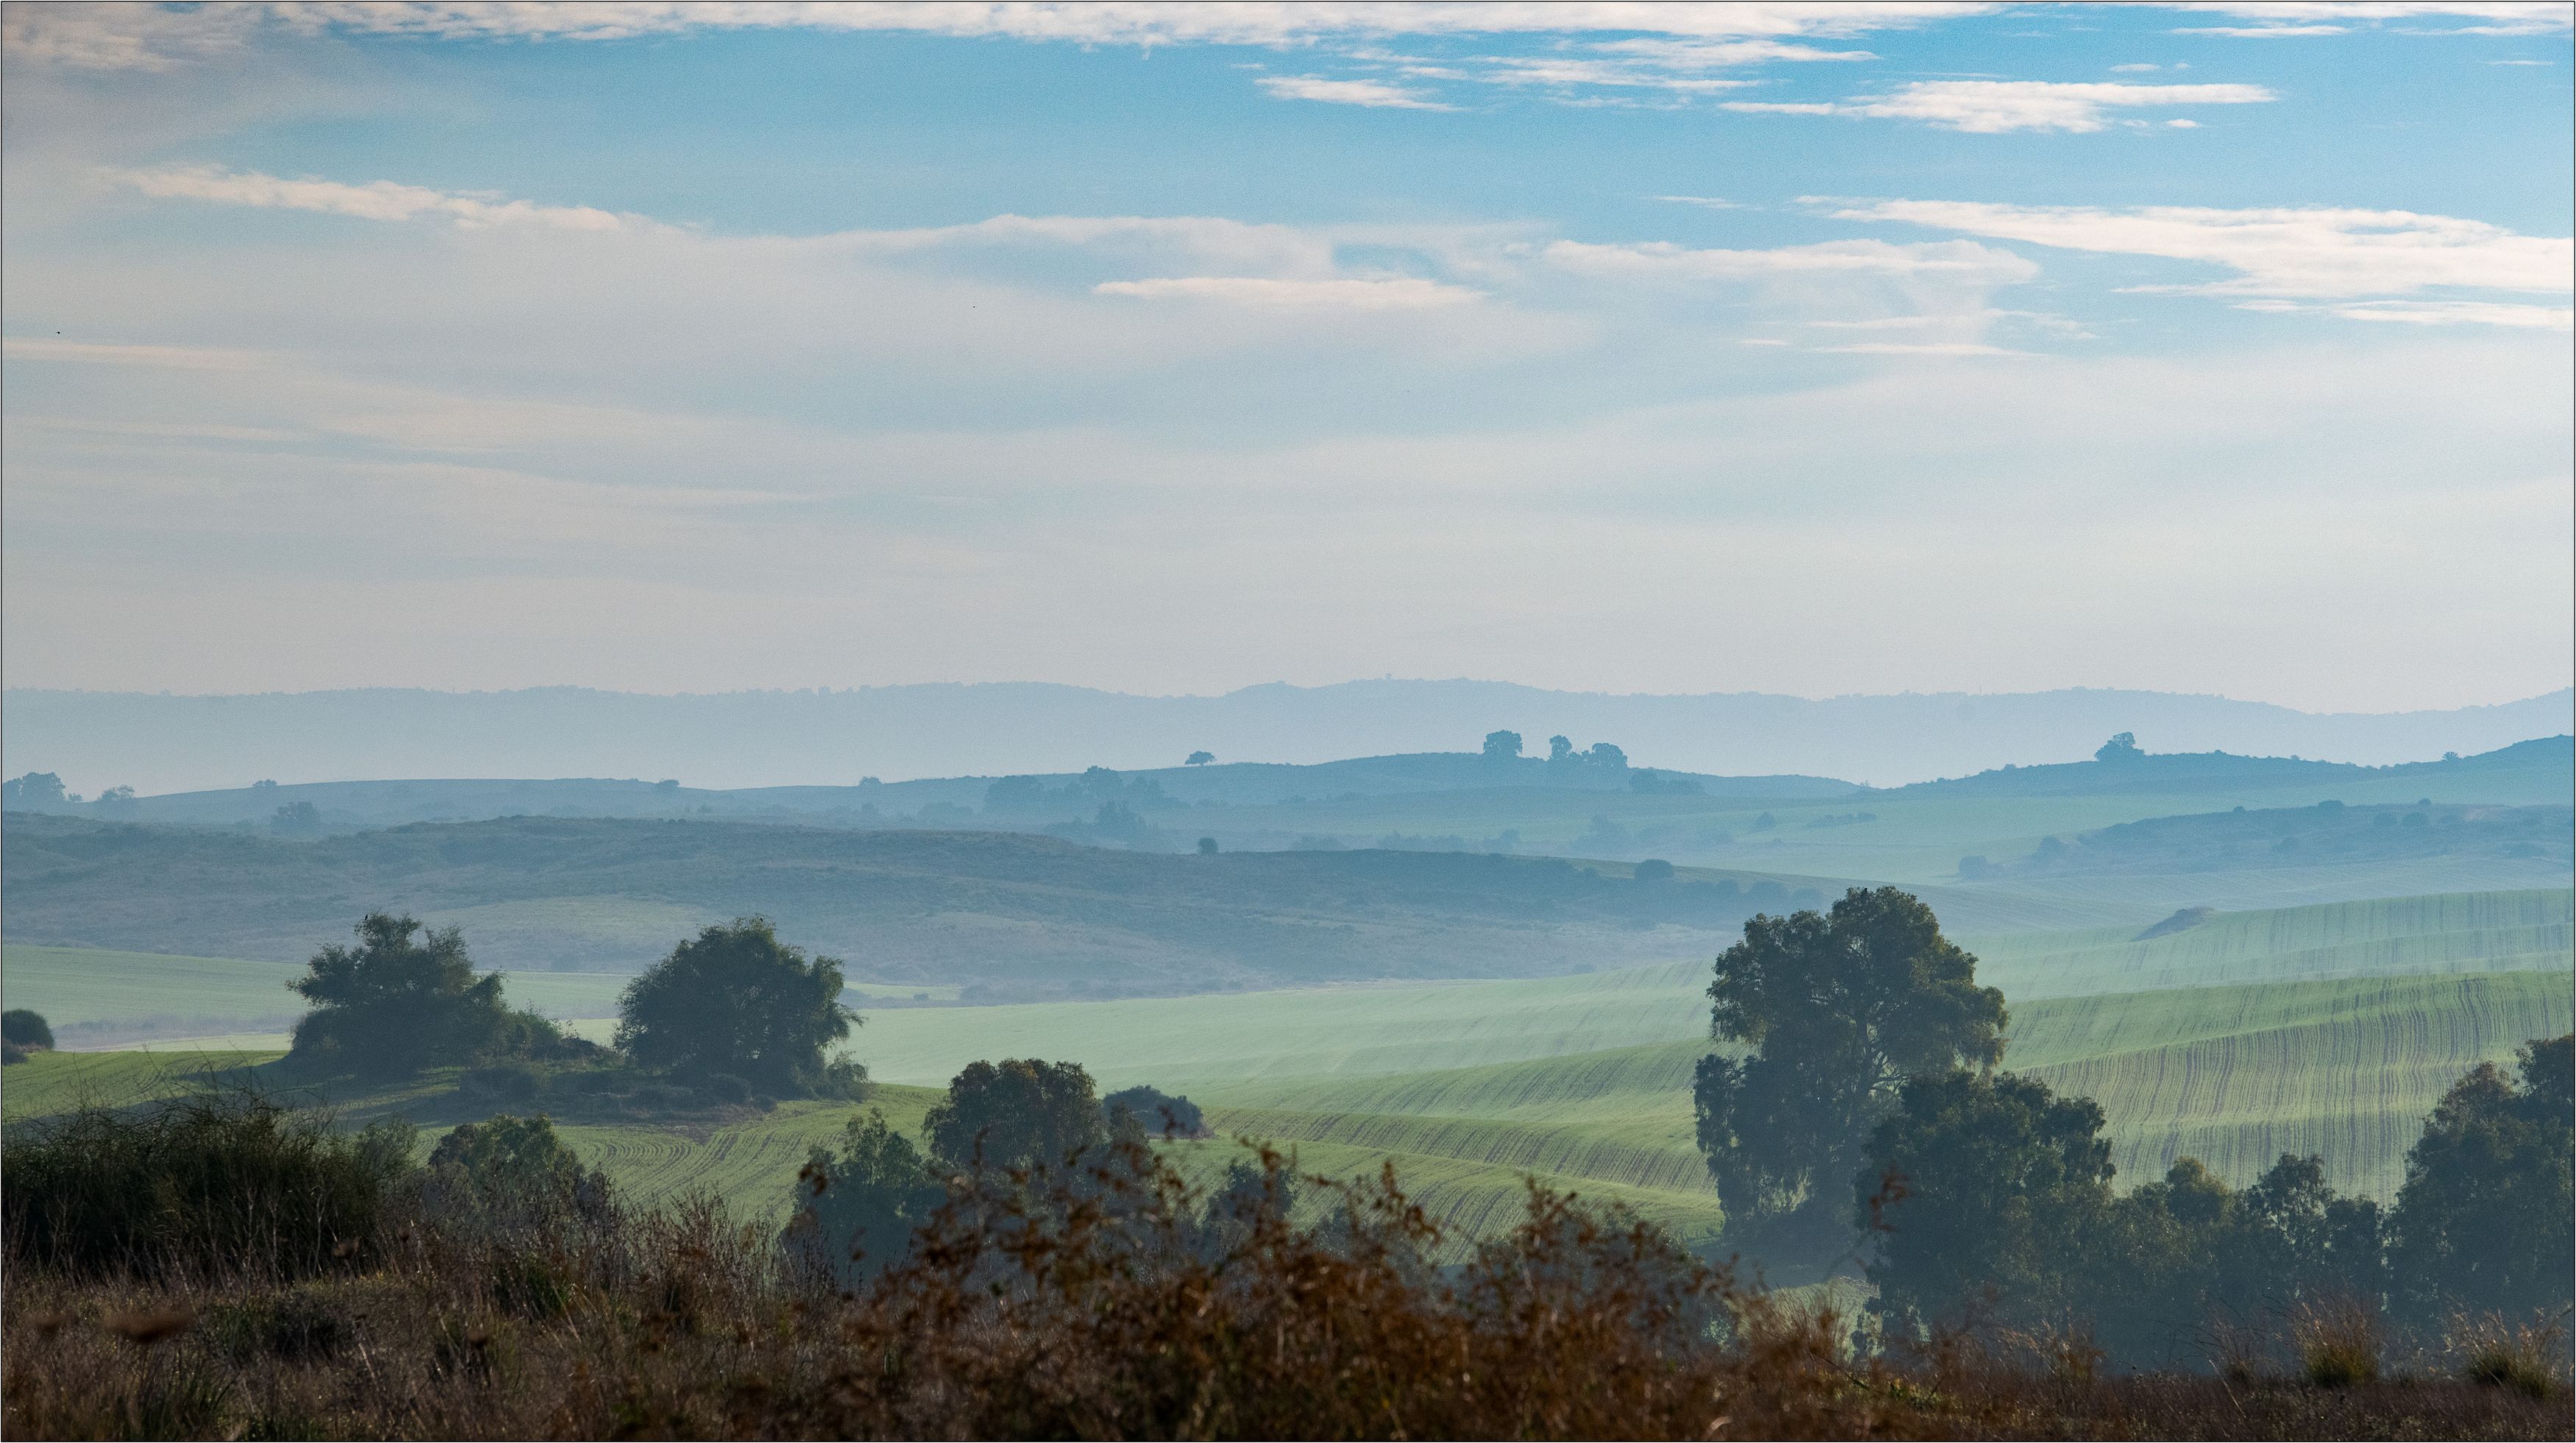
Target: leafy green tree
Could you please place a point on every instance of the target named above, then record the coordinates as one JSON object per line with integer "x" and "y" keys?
{"x": 1841, "y": 1008}
{"x": 23, "y": 1028}
{"x": 1560, "y": 749}
{"x": 736, "y": 1000}
{"x": 1016, "y": 1113}
{"x": 391, "y": 1005}
{"x": 2121, "y": 748}
{"x": 2486, "y": 1218}
{"x": 855, "y": 1210}
{"x": 1983, "y": 1191}
{"x": 1199, "y": 759}
{"x": 1501, "y": 746}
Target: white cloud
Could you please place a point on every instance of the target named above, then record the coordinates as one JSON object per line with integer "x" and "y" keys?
{"x": 382, "y": 200}
{"x": 1704, "y": 202}
{"x": 2437, "y": 313}
{"x": 2135, "y": 69}
{"x": 1570, "y": 71}
{"x": 1924, "y": 348}
{"x": 2280, "y": 252}
{"x": 1662, "y": 260}
{"x": 2321, "y": 17}
{"x": 2262, "y": 32}
{"x": 151, "y": 37}
{"x": 1349, "y": 92}
{"x": 1405, "y": 293}
{"x": 1988, "y": 107}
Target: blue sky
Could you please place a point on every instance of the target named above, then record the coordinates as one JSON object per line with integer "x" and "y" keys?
{"x": 1814, "y": 349}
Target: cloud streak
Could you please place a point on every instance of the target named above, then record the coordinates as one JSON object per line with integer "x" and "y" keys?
{"x": 1992, "y": 107}
{"x": 381, "y": 200}
{"x": 2276, "y": 252}
{"x": 141, "y": 37}
{"x": 1374, "y": 93}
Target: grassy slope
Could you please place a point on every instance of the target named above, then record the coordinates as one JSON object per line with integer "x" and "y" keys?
{"x": 1362, "y": 1031}
{"x": 2233, "y": 1075}
{"x": 2452, "y": 932}
{"x": 95, "y": 997}
{"x": 2236, "y": 1076}
{"x": 1585, "y": 1080}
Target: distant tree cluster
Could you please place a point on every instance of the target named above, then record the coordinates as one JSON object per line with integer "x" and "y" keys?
{"x": 1025, "y": 796}
{"x": 35, "y": 789}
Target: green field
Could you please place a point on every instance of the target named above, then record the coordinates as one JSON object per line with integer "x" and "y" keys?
{"x": 2443, "y": 933}
{"x": 2316, "y": 1029}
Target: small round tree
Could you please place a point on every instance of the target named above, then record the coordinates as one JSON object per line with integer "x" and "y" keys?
{"x": 735, "y": 1000}
{"x": 1016, "y": 1113}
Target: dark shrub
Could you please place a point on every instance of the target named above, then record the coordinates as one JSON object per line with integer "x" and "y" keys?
{"x": 26, "y": 1029}
{"x": 505, "y": 1081}
{"x": 725, "y": 1087}
{"x": 392, "y": 1006}
{"x": 213, "y": 1183}
{"x": 511, "y": 1177}
{"x": 1159, "y": 1113}
{"x": 856, "y": 1210}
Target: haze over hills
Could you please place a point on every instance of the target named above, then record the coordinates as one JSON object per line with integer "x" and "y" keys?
{"x": 741, "y": 739}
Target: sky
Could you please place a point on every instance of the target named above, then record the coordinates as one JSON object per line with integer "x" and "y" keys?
{"x": 1814, "y": 349}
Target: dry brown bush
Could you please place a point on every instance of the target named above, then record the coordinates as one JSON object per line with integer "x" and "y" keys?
{"x": 1102, "y": 1302}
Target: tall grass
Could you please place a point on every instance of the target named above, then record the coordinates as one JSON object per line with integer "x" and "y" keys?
{"x": 1108, "y": 1298}
{"x": 210, "y": 1183}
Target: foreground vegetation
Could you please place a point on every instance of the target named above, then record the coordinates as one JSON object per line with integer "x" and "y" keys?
{"x": 501, "y": 1291}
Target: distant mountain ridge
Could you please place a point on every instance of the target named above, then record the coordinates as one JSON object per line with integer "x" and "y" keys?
{"x": 744, "y": 739}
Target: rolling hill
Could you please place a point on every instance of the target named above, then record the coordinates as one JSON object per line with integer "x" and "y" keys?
{"x": 999, "y": 911}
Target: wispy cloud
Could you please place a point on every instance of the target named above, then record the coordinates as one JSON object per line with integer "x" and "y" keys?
{"x": 1375, "y": 93}
{"x": 1988, "y": 107}
{"x": 130, "y": 36}
{"x": 2279, "y": 18}
{"x": 2278, "y": 252}
{"x": 101, "y": 353}
{"x": 1666, "y": 261}
{"x": 2437, "y": 313}
{"x": 381, "y": 200}
{"x": 1402, "y": 293}
{"x": 2263, "y": 32}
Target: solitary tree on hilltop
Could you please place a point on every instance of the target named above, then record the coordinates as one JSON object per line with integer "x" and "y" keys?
{"x": 1501, "y": 745}
{"x": 2121, "y": 748}
{"x": 1200, "y": 759}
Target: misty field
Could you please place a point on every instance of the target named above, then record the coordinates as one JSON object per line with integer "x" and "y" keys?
{"x": 2233, "y": 1075}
